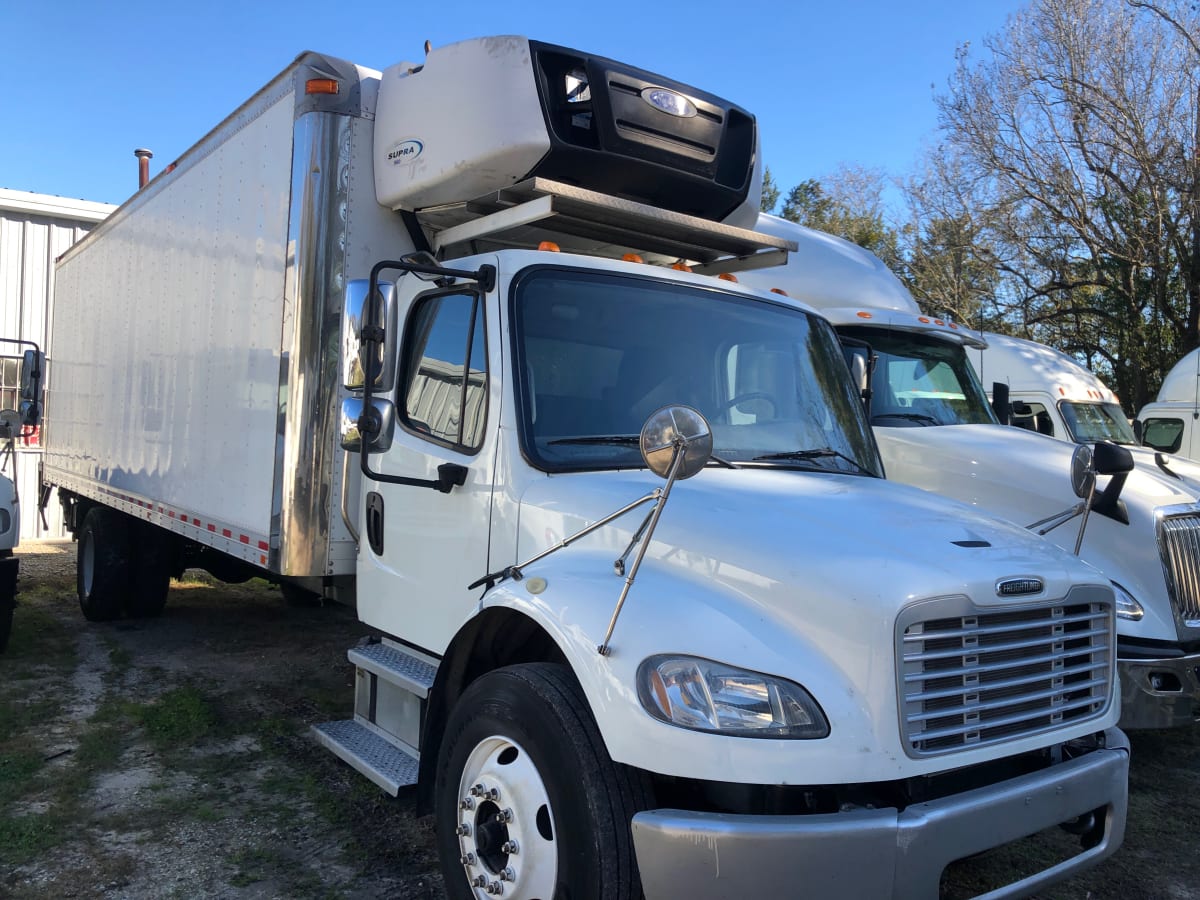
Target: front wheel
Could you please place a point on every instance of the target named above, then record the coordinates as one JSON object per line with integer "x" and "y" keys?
{"x": 528, "y": 803}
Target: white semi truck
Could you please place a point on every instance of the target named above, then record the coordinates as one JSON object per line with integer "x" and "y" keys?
{"x": 1169, "y": 423}
{"x": 936, "y": 430}
{"x": 335, "y": 347}
{"x": 1051, "y": 393}
{"x": 20, "y": 411}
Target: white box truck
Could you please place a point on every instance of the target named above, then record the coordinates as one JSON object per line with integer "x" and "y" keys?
{"x": 416, "y": 339}
{"x": 936, "y": 430}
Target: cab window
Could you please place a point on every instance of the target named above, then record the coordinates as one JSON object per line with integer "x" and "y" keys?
{"x": 1165, "y": 435}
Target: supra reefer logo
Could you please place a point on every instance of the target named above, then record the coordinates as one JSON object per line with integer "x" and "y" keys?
{"x": 404, "y": 151}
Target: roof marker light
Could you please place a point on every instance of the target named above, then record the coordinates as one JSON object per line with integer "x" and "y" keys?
{"x": 549, "y": 246}
{"x": 321, "y": 86}
{"x": 681, "y": 267}
{"x": 864, "y": 315}
{"x": 779, "y": 291}
{"x": 938, "y": 322}
{"x": 632, "y": 257}
{"x": 728, "y": 276}
{"x": 922, "y": 319}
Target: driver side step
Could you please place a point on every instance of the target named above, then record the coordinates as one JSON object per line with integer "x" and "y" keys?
{"x": 379, "y": 759}
{"x": 391, "y": 685}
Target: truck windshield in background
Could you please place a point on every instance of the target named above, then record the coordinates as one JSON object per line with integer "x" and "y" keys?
{"x": 1091, "y": 422}
{"x": 596, "y": 354}
{"x": 921, "y": 380}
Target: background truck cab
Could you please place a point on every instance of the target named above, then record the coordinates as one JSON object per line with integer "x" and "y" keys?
{"x": 936, "y": 430}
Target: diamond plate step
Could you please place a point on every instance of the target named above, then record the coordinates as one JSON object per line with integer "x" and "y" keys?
{"x": 395, "y": 666}
{"x": 380, "y": 760}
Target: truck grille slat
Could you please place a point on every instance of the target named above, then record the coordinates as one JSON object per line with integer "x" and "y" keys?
{"x": 999, "y": 629}
{"x": 961, "y": 730}
{"x": 1012, "y": 645}
{"x": 1054, "y": 693}
{"x": 1007, "y": 683}
{"x": 1179, "y": 548}
{"x": 971, "y": 676}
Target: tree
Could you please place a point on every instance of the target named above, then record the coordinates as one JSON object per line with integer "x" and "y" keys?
{"x": 848, "y": 203}
{"x": 1078, "y": 133}
{"x": 770, "y": 192}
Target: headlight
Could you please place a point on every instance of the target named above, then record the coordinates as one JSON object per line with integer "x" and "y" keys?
{"x": 1127, "y": 607}
{"x": 710, "y": 696}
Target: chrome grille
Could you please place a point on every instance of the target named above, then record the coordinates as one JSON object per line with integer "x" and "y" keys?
{"x": 970, "y": 677}
{"x": 1179, "y": 546}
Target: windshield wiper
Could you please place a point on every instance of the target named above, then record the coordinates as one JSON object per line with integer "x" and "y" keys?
{"x": 627, "y": 440}
{"x": 819, "y": 453}
{"x": 912, "y": 417}
{"x": 619, "y": 439}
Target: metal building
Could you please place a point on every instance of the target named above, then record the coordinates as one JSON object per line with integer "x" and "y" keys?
{"x": 34, "y": 230}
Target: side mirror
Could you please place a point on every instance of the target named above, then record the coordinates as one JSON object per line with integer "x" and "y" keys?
{"x": 1111, "y": 459}
{"x": 356, "y": 368}
{"x": 1000, "y": 405}
{"x": 367, "y": 428}
{"x": 676, "y": 431}
{"x": 32, "y": 364}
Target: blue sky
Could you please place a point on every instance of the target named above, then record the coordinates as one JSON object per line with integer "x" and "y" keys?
{"x": 831, "y": 83}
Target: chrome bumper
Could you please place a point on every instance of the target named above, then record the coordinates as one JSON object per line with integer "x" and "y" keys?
{"x": 880, "y": 853}
{"x": 1159, "y": 693}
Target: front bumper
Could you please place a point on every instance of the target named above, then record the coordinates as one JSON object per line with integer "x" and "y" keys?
{"x": 1159, "y": 693}
{"x": 880, "y": 853}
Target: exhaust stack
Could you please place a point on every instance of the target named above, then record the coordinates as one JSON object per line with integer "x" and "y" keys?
{"x": 143, "y": 166}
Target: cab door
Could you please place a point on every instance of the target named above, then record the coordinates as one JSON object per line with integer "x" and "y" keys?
{"x": 419, "y": 547}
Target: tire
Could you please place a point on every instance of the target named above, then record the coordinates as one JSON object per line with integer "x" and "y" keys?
{"x": 8, "y": 595}
{"x": 103, "y": 568}
{"x": 526, "y": 732}
{"x": 151, "y": 573}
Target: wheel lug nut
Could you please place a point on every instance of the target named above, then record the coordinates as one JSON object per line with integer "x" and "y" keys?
{"x": 509, "y": 847}
{"x": 508, "y": 875}
{"x": 463, "y": 830}
{"x": 495, "y": 888}
{"x": 467, "y": 803}
{"x": 478, "y": 881}
{"x": 505, "y": 816}
{"x": 477, "y": 791}
{"x": 493, "y": 795}
{"x": 467, "y": 859}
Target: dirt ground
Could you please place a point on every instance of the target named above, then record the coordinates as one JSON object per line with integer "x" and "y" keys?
{"x": 170, "y": 758}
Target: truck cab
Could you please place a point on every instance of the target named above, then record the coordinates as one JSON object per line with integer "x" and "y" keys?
{"x": 1168, "y": 425}
{"x": 1050, "y": 393}
{"x": 936, "y": 430}
{"x": 20, "y": 412}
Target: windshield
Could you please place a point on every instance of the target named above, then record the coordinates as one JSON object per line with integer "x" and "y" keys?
{"x": 922, "y": 380}
{"x": 597, "y": 353}
{"x": 1091, "y": 422}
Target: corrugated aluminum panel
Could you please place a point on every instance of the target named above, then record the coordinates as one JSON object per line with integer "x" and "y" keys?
{"x": 34, "y": 230}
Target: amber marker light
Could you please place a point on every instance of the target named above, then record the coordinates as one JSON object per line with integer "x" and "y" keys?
{"x": 728, "y": 276}
{"x": 681, "y": 267}
{"x": 922, "y": 319}
{"x": 632, "y": 257}
{"x": 321, "y": 86}
{"x": 865, "y": 315}
{"x": 549, "y": 246}
{"x": 779, "y": 291}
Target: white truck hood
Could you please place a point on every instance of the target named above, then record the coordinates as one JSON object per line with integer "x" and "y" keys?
{"x": 743, "y": 528}
{"x": 1023, "y": 477}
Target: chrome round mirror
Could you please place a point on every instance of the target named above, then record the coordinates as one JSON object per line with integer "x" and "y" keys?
{"x": 673, "y": 425}
{"x": 1083, "y": 476}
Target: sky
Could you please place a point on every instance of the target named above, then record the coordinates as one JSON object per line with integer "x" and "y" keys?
{"x": 831, "y": 83}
